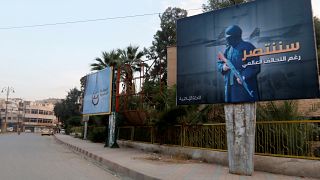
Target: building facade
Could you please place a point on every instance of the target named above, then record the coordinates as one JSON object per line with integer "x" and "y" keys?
{"x": 28, "y": 115}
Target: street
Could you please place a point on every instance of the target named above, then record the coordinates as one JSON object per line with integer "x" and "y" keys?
{"x": 35, "y": 157}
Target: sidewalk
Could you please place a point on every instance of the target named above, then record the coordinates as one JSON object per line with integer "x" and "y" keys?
{"x": 139, "y": 165}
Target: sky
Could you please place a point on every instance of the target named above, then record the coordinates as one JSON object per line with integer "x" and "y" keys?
{"x": 46, "y": 62}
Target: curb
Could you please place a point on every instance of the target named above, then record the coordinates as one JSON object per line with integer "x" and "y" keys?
{"x": 111, "y": 166}
{"x": 282, "y": 166}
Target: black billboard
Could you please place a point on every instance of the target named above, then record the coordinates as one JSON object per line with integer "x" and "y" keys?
{"x": 258, "y": 51}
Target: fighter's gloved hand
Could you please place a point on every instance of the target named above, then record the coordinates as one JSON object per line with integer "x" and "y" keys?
{"x": 225, "y": 67}
{"x": 239, "y": 81}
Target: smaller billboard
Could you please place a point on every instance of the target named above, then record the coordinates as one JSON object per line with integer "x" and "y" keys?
{"x": 97, "y": 97}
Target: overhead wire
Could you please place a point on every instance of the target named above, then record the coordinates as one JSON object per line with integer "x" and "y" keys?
{"x": 84, "y": 21}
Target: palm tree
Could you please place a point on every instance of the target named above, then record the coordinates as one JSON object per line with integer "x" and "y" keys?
{"x": 131, "y": 62}
{"x": 111, "y": 58}
{"x": 128, "y": 61}
{"x": 131, "y": 56}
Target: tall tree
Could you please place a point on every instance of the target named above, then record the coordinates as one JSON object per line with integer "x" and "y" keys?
{"x": 131, "y": 61}
{"x": 83, "y": 83}
{"x": 59, "y": 111}
{"x": 111, "y": 58}
{"x": 131, "y": 56}
{"x": 68, "y": 107}
{"x": 164, "y": 38}
{"x": 73, "y": 101}
{"x": 218, "y": 4}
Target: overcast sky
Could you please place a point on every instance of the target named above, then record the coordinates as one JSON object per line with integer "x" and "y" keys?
{"x": 45, "y": 62}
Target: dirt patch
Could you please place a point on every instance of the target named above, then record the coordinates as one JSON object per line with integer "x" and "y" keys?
{"x": 176, "y": 159}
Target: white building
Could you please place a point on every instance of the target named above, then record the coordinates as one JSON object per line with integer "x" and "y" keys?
{"x": 32, "y": 115}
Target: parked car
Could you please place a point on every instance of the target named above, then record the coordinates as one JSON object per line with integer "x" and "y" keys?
{"x": 10, "y": 129}
{"x": 46, "y": 132}
{"x": 27, "y": 130}
{"x": 62, "y": 131}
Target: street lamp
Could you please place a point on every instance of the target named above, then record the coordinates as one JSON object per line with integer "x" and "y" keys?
{"x": 7, "y": 90}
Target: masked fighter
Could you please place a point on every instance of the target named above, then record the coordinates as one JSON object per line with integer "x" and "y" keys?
{"x": 240, "y": 81}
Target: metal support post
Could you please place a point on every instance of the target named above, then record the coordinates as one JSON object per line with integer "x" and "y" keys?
{"x": 111, "y": 140}
{"x": 85, "y": 119}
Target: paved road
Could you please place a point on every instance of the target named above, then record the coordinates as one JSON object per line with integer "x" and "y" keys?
{"x": 36, "y": 157}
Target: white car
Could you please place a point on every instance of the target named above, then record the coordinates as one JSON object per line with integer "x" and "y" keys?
{"x": 46, "y": 132}
{"x": 27, "y": 130}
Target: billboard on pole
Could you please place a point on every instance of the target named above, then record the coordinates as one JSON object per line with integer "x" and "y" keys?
{"x": 258, "y": 51}
{"x": 97, "y": 98}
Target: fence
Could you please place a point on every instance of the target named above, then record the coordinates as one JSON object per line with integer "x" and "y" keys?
{"x": 299, "y": 139}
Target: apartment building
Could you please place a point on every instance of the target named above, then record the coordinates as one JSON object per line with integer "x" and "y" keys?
{"x": 28, "y": 115}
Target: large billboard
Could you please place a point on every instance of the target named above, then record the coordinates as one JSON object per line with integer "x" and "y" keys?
{"x": 97, "y": 98}
{"x": 258, "y": 51}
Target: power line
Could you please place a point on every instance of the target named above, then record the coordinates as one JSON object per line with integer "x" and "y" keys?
{"x": 85, "y": 21}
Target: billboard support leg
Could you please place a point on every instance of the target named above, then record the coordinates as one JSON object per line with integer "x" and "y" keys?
{"x": 107, "y": 130}
{"x": 85, "y": 119}
{"x": 85, "y": 130}
{"x": 112, "y": 131}
{"x": 240, "y": 126}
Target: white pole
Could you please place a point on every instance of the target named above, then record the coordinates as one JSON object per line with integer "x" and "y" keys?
{"x": 85, "y": 120}
{"x": 112, "y": 125}
{"x": 240, "y": 125}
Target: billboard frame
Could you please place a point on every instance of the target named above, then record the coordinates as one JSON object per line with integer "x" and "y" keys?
{"x": 110, "y": 92}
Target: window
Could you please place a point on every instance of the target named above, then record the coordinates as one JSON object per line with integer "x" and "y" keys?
{"x": 34, "y": 111}
{"x": 27, "y": 120}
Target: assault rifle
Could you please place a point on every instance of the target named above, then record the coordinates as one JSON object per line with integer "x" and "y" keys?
{"x": 235, "y": 72}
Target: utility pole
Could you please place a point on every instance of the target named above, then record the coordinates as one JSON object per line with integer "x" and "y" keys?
{"x": 7, "y": 90}
{"x": 19, "y": 114}
{"x": 18, "y": 126}
{"x": 24, "y": 116}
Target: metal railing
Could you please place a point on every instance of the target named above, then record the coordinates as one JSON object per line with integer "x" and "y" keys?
{"x": 300, "y": 139}
{"x": 289, "y": 138}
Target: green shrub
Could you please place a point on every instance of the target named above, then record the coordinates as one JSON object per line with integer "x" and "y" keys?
{"x": 97, "y": 134}
{"x": 316, "y": 152}
{"x": 77, "y": 131}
